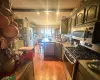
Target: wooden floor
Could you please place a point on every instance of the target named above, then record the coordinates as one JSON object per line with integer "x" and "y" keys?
{"x": 47, "y": 70}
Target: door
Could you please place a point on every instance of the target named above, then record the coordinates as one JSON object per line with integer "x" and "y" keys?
{"x": 68, "y": 67}
{"x": 31, "y": 37}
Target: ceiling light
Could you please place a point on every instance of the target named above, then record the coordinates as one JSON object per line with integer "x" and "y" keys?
{"x": 38, "y": 13}
{"x": 57, "y": 12}
{"x": 47, "y": 13}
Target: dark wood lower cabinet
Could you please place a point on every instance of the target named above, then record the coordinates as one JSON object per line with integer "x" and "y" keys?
{"x": 28, "y": 73}
{"x": 84, "y": 73}
{"x": 79, "y": 76}
{"x": 48, "y": 48}
{"x": 58, "y": 50}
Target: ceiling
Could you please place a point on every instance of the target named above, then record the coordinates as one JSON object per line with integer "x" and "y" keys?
{"x": 43, "y": 19}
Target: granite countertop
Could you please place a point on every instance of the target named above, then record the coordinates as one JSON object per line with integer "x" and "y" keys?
{"x": 21, "y": 69}
{"x": 25, "y": 48}
{"x": 92, "y": 73}
{"x": 65, "y": 44}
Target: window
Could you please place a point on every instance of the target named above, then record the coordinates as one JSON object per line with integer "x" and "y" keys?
{"x": 47, "y": 32}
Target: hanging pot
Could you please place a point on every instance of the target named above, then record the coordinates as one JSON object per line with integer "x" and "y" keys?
{"x": 4, "y": 21}
{"x": 15, "y": 23}
{"x": 10, "y": 32}
{"x": 12, "y": 21}
{"x": 3, "y": 42}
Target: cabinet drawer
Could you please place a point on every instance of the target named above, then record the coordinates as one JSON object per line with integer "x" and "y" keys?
{"x": 85, "y": 74}
{"x": 73, "y": 23}
{"x": 49, "y": 49}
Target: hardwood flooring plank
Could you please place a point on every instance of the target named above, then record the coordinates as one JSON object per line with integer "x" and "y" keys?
{"x": 48, "y": 70}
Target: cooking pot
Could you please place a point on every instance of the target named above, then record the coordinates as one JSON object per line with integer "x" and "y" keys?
{"x": 4, "y": 21}
{"x": 15, "y": 23}
{"x": 10, "y": 31}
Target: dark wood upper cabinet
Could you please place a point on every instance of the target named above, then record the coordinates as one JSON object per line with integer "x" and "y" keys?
{"x": 91, "y": 13}
{"x": 69, "y": 25}
{"x": 80, "y": 17}
{"x": 73, "y": 23}
{"x": 64, "y": 26}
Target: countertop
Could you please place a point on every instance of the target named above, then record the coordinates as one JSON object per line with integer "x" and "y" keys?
{"x": 26, "y": 48}
{"x": 19, "y": 73}
{"x": 92, "y": 73}
{"x": 65, "y": 44}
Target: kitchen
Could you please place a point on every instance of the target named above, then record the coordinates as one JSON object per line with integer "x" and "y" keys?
{"x": 64, "y": 32}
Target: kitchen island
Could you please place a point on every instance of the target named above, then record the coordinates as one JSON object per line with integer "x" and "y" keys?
{"x": 51, "y": 48}
{"x": 48, "y": 47}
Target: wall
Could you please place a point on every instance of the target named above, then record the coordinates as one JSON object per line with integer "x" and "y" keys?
{"x": 39, "y": 27}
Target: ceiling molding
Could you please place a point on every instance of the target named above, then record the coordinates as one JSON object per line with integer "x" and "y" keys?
{"x": 48, "y": 26}
{"x": 40, "y": 10}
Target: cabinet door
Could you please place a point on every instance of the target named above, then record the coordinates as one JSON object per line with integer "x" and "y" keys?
{"x": 69, "y": 25}
{"x": 28, "y": 73}
{"x": 63, "y": 51}
{"x": 64, "y": 26}
{"x": 73, "y": 21}
{"x": 91, "y": 13}
{"x": 49, "y": 49}
{"x": 58, "y": 50}
{"x": 79, "y": 76}
{"x": 85, "y": 74}
{"x": 80, "y": 17}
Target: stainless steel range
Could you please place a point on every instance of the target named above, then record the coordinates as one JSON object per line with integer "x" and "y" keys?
{"x": 79, "y": 52}
{"x": 73, "y": 54}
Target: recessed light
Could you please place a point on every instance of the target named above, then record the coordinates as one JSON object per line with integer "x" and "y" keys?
{"x": 57, "y": 12}
{"x": 38, "y": 13}
{"x": 47, "y": 13}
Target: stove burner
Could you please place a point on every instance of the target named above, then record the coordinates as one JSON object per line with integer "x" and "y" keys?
{"x": 81, "y": 52}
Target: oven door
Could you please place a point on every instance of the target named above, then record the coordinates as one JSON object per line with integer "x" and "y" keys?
{"x": 70, "y": 58}
{"x": 68, "y": 66}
